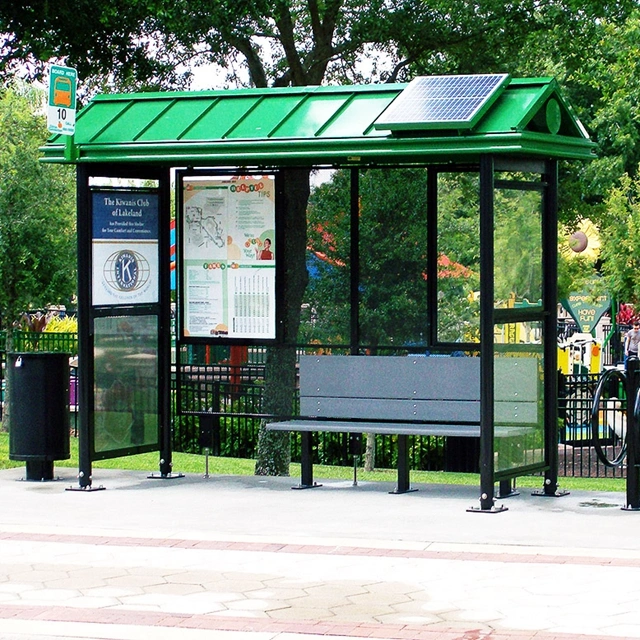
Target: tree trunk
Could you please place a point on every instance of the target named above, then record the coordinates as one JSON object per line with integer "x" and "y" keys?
{"x": 6, "y": 409}
{"x": 273, "y": 453}
{"x": 370, "y": 453}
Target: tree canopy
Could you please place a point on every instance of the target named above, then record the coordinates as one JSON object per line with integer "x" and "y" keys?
{"x": 153, "y": 44}
{"x": 37, "y": 216}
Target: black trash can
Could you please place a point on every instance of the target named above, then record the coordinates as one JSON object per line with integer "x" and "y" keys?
{"x": 38, "y": 396}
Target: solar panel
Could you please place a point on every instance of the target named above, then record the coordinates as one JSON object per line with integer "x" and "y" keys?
{"x": 442, "y": 102}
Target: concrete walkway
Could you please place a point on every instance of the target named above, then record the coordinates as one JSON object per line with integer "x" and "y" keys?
{"x": 246, "y": 558}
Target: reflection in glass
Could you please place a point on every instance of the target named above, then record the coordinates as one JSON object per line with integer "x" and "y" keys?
{"x": 326, "y": 312}
{"x": 518, "y": 248}
{"x": 458, "y": 257}
{"x": 518, "y": 396}
{"x": 393, "y": 257}
{"x": 126, "y": 382}
{"x": 392, "y": 228}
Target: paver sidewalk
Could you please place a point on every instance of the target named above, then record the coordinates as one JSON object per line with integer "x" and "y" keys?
{"x": 246, "y": 558}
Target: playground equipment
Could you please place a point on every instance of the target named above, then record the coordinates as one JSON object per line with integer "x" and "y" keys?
{"x": 580, "y": 353}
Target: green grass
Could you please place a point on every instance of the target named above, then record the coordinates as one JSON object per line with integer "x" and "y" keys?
{"x": 191, "y": 463}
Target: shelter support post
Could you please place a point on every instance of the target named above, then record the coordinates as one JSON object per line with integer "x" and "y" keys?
{"x": 164, "y": 333}
{"x": 404, "y": 483}
{"x": 85, "y": 434}
{"x": 632, "y": 502}
{"x": 550, "y": 320}
{"x": 487, "y": 464}
{"x": 354, "y": 252}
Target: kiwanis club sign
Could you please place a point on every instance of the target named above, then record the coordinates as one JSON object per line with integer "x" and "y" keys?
{"x": 125, "y": 247}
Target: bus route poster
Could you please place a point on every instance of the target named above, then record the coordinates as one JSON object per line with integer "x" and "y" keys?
{"x": 125, "y": 247}
{"x": 229, "y": 257}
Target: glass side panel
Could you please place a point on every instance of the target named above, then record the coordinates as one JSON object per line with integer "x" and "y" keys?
{"x": 126, "y": 409}
{"x": 518, "y": 396}
{"x": 458, "y": 257}
{"x": 393, "y": 258}
{"x": 326, "y": 311}
{"x": 518, "y": 248}
{"x": 392, "y": 268}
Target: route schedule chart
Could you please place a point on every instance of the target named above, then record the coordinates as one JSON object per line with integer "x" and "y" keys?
{"x": 228, "y": 257}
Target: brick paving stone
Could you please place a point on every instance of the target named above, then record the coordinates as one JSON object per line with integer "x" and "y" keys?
{"x": 323, "y": 567}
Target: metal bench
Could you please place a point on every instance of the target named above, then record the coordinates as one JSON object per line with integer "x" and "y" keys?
{"x": 398, "y": 395}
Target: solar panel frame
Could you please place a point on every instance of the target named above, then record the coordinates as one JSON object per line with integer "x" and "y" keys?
{"x": 442, "y": 102}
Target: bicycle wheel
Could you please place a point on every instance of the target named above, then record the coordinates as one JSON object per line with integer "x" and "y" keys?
{"x": 609, "y": 421}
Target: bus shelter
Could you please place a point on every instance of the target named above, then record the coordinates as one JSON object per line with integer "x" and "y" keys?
{"x": 510, "y": 133}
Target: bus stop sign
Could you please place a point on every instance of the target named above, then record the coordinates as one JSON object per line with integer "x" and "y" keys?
{"x": 61, "y": 110}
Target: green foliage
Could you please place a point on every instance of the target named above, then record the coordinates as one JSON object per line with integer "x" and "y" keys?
{"x": 150, "y": 43}
{"x": 109, "y": 42}
{"x": 518, "y": 245}
{"x": 68, "y": 324}
{"x": 612, "y": 72}
{"x": 393, "y": 268}
{"x": 37, "y": 216}
{"x": 621, "y": 241}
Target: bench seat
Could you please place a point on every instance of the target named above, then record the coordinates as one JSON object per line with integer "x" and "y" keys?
{"x": 387, "y": 428}
{"x": 391, "y": 428}
{"x": 403, "y": 396}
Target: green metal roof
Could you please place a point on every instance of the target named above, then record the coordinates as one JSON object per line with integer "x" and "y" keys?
{"x": 311, "y": 126}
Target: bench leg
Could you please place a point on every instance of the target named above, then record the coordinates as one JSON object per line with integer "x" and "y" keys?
{"x": 507, "y": 489}
{"x": 404, "y": 484}
{"x": 306, "y": 462}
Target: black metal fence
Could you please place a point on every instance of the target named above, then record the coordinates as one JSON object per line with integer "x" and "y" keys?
{"x": 576, "y": 448}
{"x": 48, "y": 341}
{"x": 209, "y": 385}
{"x": 236, "y": 392}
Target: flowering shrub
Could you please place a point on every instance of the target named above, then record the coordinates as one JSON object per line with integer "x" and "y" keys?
{"x": 627, "y": 314}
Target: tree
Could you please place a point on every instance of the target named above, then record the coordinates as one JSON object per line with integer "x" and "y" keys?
{"x": 37, "y": 216}
{"x": 621, "y": 241}
{"x": 287, "y": 42}
{"x": 143, "y": 43}
{"x": 603, "y": 87}
{"x": 111, "y": 43}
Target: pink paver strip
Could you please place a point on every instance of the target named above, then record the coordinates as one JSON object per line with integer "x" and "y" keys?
{"x": 355, "y": 630}
{"x": 270, "y": 547}
{"x": 364, "y": 629}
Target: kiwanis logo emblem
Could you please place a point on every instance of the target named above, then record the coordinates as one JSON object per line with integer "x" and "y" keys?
{"x": 126, "y": 270}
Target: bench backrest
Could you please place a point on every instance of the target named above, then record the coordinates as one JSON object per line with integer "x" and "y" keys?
{"x": 415, "y": 388}
{"x": 390, "y": 387}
